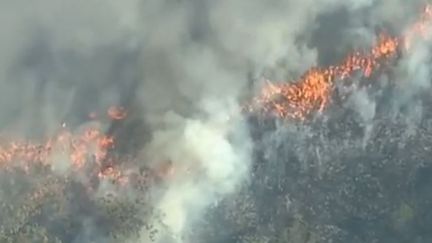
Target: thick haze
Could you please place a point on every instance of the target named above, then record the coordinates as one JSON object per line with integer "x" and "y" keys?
{"x": 185, "y": 66}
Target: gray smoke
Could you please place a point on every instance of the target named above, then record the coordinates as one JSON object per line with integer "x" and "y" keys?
{"x": 188, "y": 64}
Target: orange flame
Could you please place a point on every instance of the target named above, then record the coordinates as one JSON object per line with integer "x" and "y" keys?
{"x": 87, "y": 147}
{"x": 312, "y": 92}
{"x": 114, "y": 174}
{"x": 92, "y": 144}
{"x": 81, "y": 150}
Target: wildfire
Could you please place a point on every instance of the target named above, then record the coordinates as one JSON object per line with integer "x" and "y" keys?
{"x": 77, "y": 149}
{"x": 86, "y": 148}
{"x": 114, "y": 174}
{"x": 312, "y": 92}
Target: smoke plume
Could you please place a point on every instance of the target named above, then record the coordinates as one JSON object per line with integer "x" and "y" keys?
{"x": 185, "y": 69}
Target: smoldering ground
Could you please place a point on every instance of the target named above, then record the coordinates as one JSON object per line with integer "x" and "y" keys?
{"x": 182, "y": 68}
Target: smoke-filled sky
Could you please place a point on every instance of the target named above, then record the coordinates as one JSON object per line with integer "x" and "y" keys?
{"x": 183, "y": 68}
{"x": 178, "y": 51}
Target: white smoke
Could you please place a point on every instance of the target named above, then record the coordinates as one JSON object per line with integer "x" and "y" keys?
{"x": 209, "y": 159}
{"x": 188, "y": 62}
{"x": 194, "y": 61}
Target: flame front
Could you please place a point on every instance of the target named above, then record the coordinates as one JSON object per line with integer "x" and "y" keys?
{"x": 312, "y": 92}
{"x": 84, "y": 150}
{"x": 296, "y": 100}
{"x": 91, "y": 143}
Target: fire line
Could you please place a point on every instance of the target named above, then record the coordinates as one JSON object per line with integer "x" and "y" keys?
{"x": 312, "y": 91}
{"x": 296, "y": 100}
